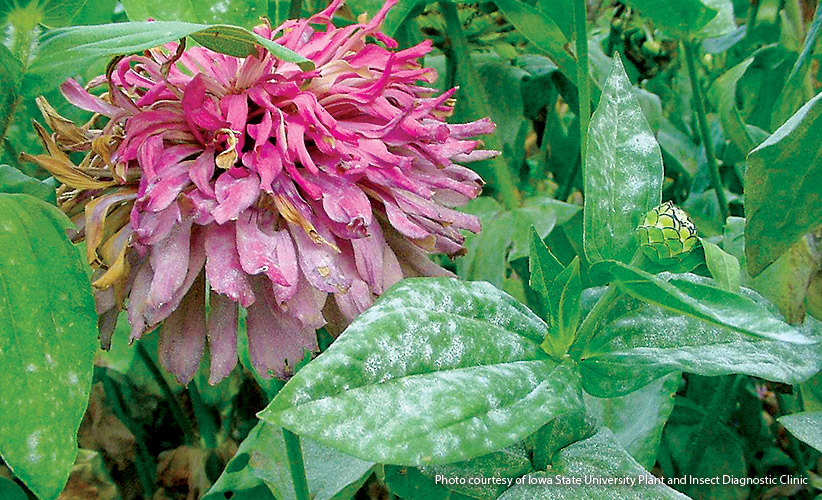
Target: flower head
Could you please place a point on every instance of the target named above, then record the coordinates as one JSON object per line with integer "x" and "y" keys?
{"x": 298, "y": 195}
{"x": 666, "y": 233}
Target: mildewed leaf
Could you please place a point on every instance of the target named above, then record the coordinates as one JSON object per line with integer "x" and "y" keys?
{"x": 623, "y": 177}
{"x": 48, "y": 336}
{"x": 637, "y": 342}
{"x": 599, "y": 456}
{"x": 805, "y": 426}
{"x": 705, "y": 302}
{"x": 782, "y": 187}
{"x": 436, "y": 371}
{"x": 83, "y": 45}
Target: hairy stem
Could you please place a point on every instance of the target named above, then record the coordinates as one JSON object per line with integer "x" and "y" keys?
{"x": 295, "y": 463}
{"x": 173, "y": 402}
{"x": 699, "y": 103}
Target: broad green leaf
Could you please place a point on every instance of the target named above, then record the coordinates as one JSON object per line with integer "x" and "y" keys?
{"x": 601, "y": 457}
{"x": 705, "y": 302}
{"x": 637, "y": 419}
{"x": 48, "y": 336}
{"x": 15, "y": 181}
{"x": 787, "y": 281}
{"x": 505, "y": 234}
{"x": 427, "y": 482}
{"x": 637, "y": 342}
{"x": 723, "y": 95}
{"x": 261, "y": 459}
{"x": 683, "y": 19}
{"x": 806, "y": 426}
{"x": 560, "y": 432}
{"x": 83, "y": 45}
{"x": 723, "y": 266}
{"x": 812, "y": 393}
{"x": 723, "y": 23}
{"x": 543, "y": 268}
{"x": 239, "y": 12}
{"x": 57, "y": 13}
{"x": 623, "y": 172}
{"x": 436, "y": 371}
{"x": 782, "y": 187}
{"x": 791, "y": 96}
{"x": 562, "y": 12}
{"x": 539, "y": 28}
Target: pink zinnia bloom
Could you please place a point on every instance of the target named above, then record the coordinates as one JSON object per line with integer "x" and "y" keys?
{"x": 276, "y": 186}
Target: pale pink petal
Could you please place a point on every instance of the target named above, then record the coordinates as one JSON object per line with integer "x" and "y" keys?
{"x": 183, "y": 335}
{"x": 222, "y": 336}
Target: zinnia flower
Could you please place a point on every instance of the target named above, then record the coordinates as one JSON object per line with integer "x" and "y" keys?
{"x": 250, "y": 182}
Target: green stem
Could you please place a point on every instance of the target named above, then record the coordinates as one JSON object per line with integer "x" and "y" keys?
{"x": 173, "y": 402}
{"x": 466, "y": 75}
{"x": 5, "y": 120}
{"x": 583, "y": 84}
{"x": 716, "y": 414}
{"x": 205, "y": 422}
{"x": 713, "y": 167}
{"x": 142, "y": 462}
{"x": 295, "y": 462}
{"x": 295, "y": 8}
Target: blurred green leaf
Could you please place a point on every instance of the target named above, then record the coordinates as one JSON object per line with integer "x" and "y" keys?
{"x": 782, "y": 187}
{"x": 457, "y": 363}
{"x": 48, "y": 335}
{"x": 623, "y": 172}
{"x": 683, "y": 19}
{"x": 723, "y": 95}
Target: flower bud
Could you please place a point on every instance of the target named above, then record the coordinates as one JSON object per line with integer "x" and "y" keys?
{"x": 667, "y": 232}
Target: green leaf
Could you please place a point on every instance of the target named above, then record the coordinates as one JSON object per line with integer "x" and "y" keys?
{"x": 15, "y": 181}
{"x": 623, "y": 177}
{"x": 505, "y": 234}
{"x": 10, "y": 491}
{"x": 638, "y": 342}
{"x": 240, "y": 12}
{"x": 261, "y": 460}
{"x": 791, "y": 96}
{"x": 705, "y": 302}
{"x": 812, "y": 393}
{"x": 84, "y": 45}
{"x": 723, "y": 23}
{"x": 539, "y": 28}
{"x": 723, "y": 95}
{"x": 805, "y": 426}
{"x": 637, "y": 419}
{"x": 723, "y": 266}
{"x": 543, "y": 268}
{"x": 48, "y": 336}
{"x": 599, "y": 456}
{"x": 436, "y": 371}
{"x": 425, "y": 483}
{"x": 782, "y": 187}
{"x": 563, "y": 296}
{"x": 683, "y": 19}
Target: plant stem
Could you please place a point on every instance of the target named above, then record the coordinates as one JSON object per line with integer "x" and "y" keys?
{"x": 295, "y": 462}
{"x": 583, "y": 84}
{"x": 143, "y": 462}
{"x": 5, "y": 120}
{"x": 205, "y": 422}
{"x": 696, "y": 89}
{"x": 458, "y": 56}
{"x": 585, "y": 332}
{"x": 295, "y": 8}
{"x": 173, "y": 402}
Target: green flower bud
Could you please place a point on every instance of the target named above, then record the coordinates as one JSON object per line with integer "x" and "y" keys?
{"x": 667, "y": 233}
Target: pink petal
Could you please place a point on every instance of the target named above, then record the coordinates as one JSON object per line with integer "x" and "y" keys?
{"x": 78, "y": 96}
{"x": 260, "y": 252}
{"x": 234, "y": 195}
{"x": 169, "y": 261}
{"x": 183, "y": 335}
{"x": 225, "y": 274}
{"x": 319, "y": 261}
{"x": 222, "y": 337}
